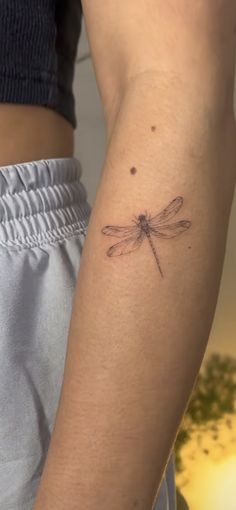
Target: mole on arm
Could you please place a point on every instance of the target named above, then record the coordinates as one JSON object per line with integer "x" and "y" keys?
{"x": 133, "y": 170}
{"x": 153, "y": 128}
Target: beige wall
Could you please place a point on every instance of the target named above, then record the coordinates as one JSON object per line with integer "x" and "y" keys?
{"x": 90, "y": 148}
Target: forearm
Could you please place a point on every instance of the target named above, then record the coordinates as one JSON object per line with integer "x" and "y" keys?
{"x": 137, "y": 339}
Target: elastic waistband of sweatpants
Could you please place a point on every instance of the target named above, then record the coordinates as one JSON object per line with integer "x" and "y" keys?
{"x": 41, "y": 202}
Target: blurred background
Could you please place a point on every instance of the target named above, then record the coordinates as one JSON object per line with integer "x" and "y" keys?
{"x": 206, "y": 443}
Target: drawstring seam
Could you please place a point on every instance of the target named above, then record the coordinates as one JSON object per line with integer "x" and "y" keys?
{"x": 56, "y": 234}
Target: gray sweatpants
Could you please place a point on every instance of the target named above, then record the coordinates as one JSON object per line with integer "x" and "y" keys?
{"x": 44, "y": 215}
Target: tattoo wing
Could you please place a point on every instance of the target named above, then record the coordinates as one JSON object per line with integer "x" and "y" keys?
{"x": 116, "y": 231}
{"x": 167, "y": 213}
{"x": 126, "y": 246}
{"x": 173, "y": 230}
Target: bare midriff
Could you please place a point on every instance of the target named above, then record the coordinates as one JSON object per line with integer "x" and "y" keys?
{"x": 29, "y": 133}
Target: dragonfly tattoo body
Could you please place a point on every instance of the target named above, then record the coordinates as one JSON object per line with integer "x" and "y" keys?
{"x": 146, "y": 227}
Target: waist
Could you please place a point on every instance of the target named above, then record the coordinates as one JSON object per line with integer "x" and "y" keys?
{"x": 29, "y": 132}
{"x": 41, "y": 202}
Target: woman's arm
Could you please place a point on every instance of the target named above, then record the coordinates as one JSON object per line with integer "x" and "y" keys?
{"x": 137, "y": 337}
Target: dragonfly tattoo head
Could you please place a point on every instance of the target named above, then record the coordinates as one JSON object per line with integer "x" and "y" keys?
{"x": 146, "y": 227}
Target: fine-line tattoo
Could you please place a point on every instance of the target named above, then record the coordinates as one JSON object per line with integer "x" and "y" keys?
{"x": 146, "y": 227}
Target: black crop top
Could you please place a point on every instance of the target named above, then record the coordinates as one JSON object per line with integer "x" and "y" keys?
{"x": 38, "y": 46}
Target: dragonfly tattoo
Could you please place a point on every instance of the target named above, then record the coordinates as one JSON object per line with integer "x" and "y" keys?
{"x": 146, "y": 227}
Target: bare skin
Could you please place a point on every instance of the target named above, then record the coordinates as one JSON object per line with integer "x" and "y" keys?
{"x": 136, "y": 340}
{"x": 30, "y": 133}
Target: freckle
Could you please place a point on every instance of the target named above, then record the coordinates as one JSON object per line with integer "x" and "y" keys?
{"x": 153, "y": 128}
{"x": 133, "y": 170}
{"x": 189, "y": 247}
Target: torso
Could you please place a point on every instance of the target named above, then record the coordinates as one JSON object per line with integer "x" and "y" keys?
{"x": 37, "y": 120}
{"x": 30, "y": 133}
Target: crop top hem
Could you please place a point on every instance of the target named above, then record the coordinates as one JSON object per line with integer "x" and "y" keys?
{"x": 37, "y": 90}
